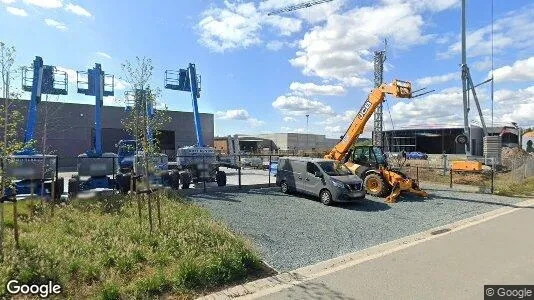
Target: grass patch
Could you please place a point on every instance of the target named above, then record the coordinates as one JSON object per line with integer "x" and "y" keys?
{"x": 508, "y": 187}
{"x": 96, "y": 248}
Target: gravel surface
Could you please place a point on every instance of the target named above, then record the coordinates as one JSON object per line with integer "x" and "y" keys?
{"x": 292, "y": 231}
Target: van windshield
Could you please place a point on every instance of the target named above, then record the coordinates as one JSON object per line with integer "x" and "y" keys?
{"x": 334, "y": 168}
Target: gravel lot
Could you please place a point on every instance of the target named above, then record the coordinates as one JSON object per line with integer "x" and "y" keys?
{"x": 292, "y": 231}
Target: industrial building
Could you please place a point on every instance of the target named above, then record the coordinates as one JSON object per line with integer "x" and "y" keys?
{"x": 441, "y": 140}
{"x": 70, "y": 129}
{"x": 279, "y": 143}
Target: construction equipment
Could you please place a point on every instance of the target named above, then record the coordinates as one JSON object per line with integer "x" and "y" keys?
{"x": 95, "y": 167}
{"x": 34, "y": 173}
{"x": 199, "y": 162}
{"x": 369, "y": 162}
{"x": 131, "y": 154}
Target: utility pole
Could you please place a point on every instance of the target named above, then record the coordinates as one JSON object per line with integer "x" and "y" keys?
{"x": 380, "y": 58}
{"x": 467, "y": 85}
{"x": 307, "y": 130}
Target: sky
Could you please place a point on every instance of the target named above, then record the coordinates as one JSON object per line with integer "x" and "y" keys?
{"x": 264, "y": 74}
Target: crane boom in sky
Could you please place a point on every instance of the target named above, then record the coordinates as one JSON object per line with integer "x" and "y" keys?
{"x": 297, "y": 7}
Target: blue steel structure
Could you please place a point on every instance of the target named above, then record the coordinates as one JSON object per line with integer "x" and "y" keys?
{"x": 181, "y": 81}
{"x": 27, "y": 164}
{"x": 198, "y": 162}
{"x": 94, "y": 163}
{"x": 96, "y": 86}
{"x": 45, "y": 80}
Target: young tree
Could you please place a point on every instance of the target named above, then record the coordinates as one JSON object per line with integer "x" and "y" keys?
{"x": 10, "y": 121}
{"x": 138, "y": 124}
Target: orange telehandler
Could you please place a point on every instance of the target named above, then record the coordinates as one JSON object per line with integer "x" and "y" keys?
{"x": 369, "y": 162}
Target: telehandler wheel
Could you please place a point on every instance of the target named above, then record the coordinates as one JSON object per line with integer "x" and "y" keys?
{"x": 376, "y": 185}
{"x": 185, "y": 179}
{"x": 220, "y": 177}
{"x": 73, "y": 187}
{"x": 174, "y": 180}
{"x": 60, "y": 186}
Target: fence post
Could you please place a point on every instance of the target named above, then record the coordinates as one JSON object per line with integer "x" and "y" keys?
{"x": 492, "y": 177}
{"x": 239, "y": 171}
{"x": 450, "y": 172}
{"x": 444, "y": 164}
{"x": 417, "y": 174}
{"x": 15, "y": 221}
{"x": 269, "y": 169}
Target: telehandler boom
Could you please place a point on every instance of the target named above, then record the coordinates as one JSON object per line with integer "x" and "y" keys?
{"x": 369, "y": 162}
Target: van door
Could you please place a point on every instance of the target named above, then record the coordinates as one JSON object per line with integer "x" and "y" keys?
{"x": 312, "y": 184}
{"x": 300, "y": 175}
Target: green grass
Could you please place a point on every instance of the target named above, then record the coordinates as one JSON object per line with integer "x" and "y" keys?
{"x": 508, "y": 187}
{"x": 97, "y": 249}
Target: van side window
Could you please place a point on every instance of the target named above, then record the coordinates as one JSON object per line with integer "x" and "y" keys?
{"x": 311, "y": 168}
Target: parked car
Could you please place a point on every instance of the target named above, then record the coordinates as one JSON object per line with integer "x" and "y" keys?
{"x": 416, "y": 155}
{"x": 329, "y": 180}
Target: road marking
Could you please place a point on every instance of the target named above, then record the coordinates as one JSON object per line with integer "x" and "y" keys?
{"x": 273, "y": 284}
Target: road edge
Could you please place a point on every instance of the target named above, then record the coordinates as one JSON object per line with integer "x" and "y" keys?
{"x": 269, "y": 285}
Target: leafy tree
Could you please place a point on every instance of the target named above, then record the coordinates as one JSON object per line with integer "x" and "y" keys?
{"x": 10, "y": 122}
{"x": 138, "y": 74}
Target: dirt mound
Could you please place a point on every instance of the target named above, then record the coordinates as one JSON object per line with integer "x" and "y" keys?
{"x": 469, "y": 178}
{"x": 513, "y": 157}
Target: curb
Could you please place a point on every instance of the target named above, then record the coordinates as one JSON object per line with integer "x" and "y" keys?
{"x": 231, "y": 188}
{"x": 269, "y": 285}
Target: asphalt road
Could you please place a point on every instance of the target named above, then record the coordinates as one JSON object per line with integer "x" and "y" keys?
{"x": 452, "y": 266}
{"x": 291, "y": 231}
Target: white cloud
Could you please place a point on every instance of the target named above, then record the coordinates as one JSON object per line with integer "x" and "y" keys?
{"x": 120, "y": 84}
{"x": 8, "y": 1}
{"x": 292, "y": 130}
{"x": 239, "y": 25}
{"x": 45, "y": 3}
{"x": 275, "y": 45}
{"x": 240, "y": 115}
{"x": 16, "y": 11}
{"x": 235, "y": 26}
{"x": 513, "y": 31}
{"x": 297, "y": 106}
{"x": 521, "y": 70}
{"x": 78, "y": 10}
{"x": 309, "y": 89}
{"x": 339, "y": 49}
{"x": 483, "y": 65}
{"x": 289, "y": 119}
{"x": 425, "y": 81}
{"x": 56, "y": 24}
{"x": 234, "y": 114}
{"x": 103, "y": 54}
{"x": 515, "y": 106}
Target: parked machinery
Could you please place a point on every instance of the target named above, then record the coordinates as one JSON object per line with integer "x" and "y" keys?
{"x": 131, "y": 154}
{"x": 198, "y": 162}
{"x": 95, "y": 167}
{"x": 33, "y": 172}
{"x": 369, "y": 162}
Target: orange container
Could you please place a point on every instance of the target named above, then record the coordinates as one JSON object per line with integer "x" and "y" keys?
{"x": 466, "y": 166}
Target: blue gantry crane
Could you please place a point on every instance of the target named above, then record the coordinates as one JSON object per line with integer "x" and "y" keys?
{"x": 198, "y": 162}
{"x": 94, "y": 166}
{"x": 34, "y": 172}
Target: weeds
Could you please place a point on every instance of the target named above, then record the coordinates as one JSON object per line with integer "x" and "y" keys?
{"x": 96, "y": 248}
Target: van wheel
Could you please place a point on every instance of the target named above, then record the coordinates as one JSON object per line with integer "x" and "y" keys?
{"x": 326, "y": 197}
{"x": 284, "y": 187}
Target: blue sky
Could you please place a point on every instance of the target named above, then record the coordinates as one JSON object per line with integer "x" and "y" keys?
{"x": 264, "y": 74}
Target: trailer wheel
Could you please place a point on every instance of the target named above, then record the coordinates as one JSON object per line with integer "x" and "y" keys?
{"x": 123, "y": 183}
{"x": 174, "y": 180}
{"x": 220, "y": 177}
{"x": 185, "y": 179}
{"x": 60, "y": 186}
{"x": 376, "y": 185}
{"x": 73, "y": 187}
